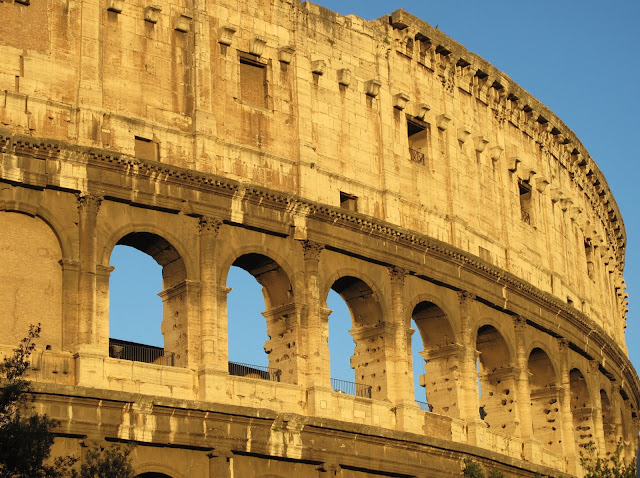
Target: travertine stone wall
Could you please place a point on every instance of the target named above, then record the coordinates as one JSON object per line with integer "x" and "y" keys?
{"x": 379, "y": 159}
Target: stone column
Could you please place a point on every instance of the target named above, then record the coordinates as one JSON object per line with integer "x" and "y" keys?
{"x": 88, "y": 206}
{"x": 209, "y": 228}
{"x": 402, "y": 373}
{"x": 568, "y": 437}
{"x": 468, "y": 384}
{"x": 103, "y": 275}
{"x": 523, "y": 393}
{"x": 318, "y": 372}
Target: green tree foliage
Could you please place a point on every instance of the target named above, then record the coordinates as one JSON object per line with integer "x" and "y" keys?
{"x": 473, "y": 470}
{"x": 25, "y": 440}
{"x": 112, "y": 462}
{"x": 613, "y": 467}
{"x": 26, "y": 437}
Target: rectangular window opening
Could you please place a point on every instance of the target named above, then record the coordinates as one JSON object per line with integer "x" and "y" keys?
{"x": 146, "y": 148}
{"x": 524, "y": 189}
{"x": 418, "y": 133}
{"x": 348, "y": 201}
{"x": 253, "y": 82}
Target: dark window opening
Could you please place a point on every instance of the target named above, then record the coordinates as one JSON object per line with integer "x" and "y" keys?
{"x": 146, "y": 148}
{"x": 588, "y": 250}
{"x": 418, "y": 133}
{"x": 253, "y": 82}
{"x": 348, "y": 201}
{"x": 524, "y": 189}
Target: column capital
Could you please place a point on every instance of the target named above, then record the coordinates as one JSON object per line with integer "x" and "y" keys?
{"x": 563, "y": 344}
{"x": 311, "y": 249}
{"x": 519, "y": 323}
{"x": 465, "y": 296}
{"x": 209, "y": 225}
{"x": 89, "y": 202}
{"x": 397, "y": 274}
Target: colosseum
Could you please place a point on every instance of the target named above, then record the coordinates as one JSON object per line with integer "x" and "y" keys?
{"x": 378, "y": 159}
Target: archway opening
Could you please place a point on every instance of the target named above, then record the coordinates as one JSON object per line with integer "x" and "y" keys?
{"x": 434, "y": 356}
{"x": 142, "y": 326}
{"x": 497, "y": 382}
{"x": 545, "y": 403}
{"x": 153, "y": 475}
{"x": 369, "y": 334}
{"x": 341, "y": 343}
{"x": 259, "y": 348}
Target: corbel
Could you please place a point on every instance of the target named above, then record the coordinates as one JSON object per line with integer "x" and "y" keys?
{"x": 399, "y": 20}
{"x": 495, "y": 152}
{"x": 318, "y": 67}
{"x": 512, "y": 163}
{"x": 565, "y": 203}
{"x": 400, "y": 101}
{"x": 257, "y": 46}
{"x": 421, "y": 111}
{"x": 344, "y": 76}
{"x": 225, "y": 35}
{"x": 556, "y": 194}
{"x": 442, "y": 121}
{"x": 285, "y": 54}
{"x": 183, "y": 23}
{"x": 152, "y": 13}
{"x": 541, "y": 184}
{"x": 463, "y": 134}
{"x": 115, "y": 6}
{"x": 575, "y": 212}
{"x": 372, "y": 88}
{"x": 480, "y": 143}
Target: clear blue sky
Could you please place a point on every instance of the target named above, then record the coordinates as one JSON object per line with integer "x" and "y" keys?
{"x": 580, "y": 58}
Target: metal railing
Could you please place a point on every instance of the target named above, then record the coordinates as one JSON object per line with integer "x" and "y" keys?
{"x": 424, "y": 406}
{"x": 351, "y": 388}
{"x": 123, "y": 350}
{"x": 254, "y": 371}
{"x": 417, "y": 156}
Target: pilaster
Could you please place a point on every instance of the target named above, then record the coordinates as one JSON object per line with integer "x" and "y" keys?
{"x": 208, "y": 230}
{"x": 88, "y": 207}
{"x": 568, "y": 436}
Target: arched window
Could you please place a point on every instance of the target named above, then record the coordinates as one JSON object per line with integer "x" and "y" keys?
{"x": 140, "y": 329}
{"x": 341, "y": 344}
{"x": 280, "y": 313}
{"x": 370, "y": 334}
{"x": 435, "y": 359}
{"x": 497, "y": 384}
{"x": 545, "y": 403}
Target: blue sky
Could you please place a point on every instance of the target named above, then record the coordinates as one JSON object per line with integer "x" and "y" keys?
{"x": 579, "y": 58}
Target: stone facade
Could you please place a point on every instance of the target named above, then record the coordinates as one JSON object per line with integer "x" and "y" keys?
{"x": 316, "y": 151}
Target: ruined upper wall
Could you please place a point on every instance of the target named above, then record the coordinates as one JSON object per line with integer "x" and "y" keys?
{"x": 177, "y": 84}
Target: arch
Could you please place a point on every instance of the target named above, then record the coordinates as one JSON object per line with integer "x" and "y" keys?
{"x": 440, "y": 356}
{"x": 438, "y": 302}
{"x": 280, "y": 313}
{"x": 157, "y": 470}
{"x": 545, "y": 399}
{"x": 497, "y": 380}
{"x": 31, "y": 279}
{"x": 175, "y": 305}
{"x": 43, "y": 213}
{"x": 116, "y": 236}
{"x": 152, "y": 474}
{"x": 370, "y": 334}
{"x": 581, "y": 408}
{"x": 277, "y": 286}
{"x": 233, "y": 253}
{"x": 328, "y": 282}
